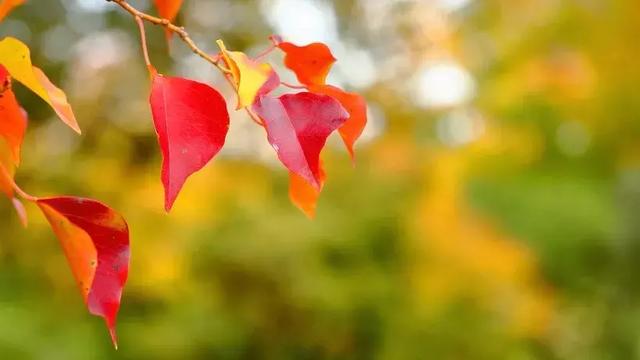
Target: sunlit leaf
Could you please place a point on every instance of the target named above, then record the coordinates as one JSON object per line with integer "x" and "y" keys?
{"x": 357, "y": 108}
{"x": 251, "y": 77}
{"x": 7, "y": 172}
{"x": 191, "y": 121}
{"x": 168, "y": 9}
{"x": 303, "y": 195}
{"x": 15, "y": 56}
{"x": 298, "y": 126}
{"x": 95, "y": 240}
{"x": 13, "y": 123}
{"x": 311, "y": 63}
{"x": 7, "y": 5}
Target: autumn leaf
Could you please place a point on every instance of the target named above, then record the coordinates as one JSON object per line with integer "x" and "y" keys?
{"x": 298, "y": 126}
{"x": 249, "y": 75}
{"x": 7, "y": 171}
{"x": 356, "y": 105}
{"x": 13, "y": 123}
{"x": 168, "y": 9}
{"x": 95, "y": 240}
{"x": 7, "y": 5}
{"x": 15, "y": 56}
{"x": 303, "y": 195}
{"x": 311, "y": 63}
{"x": 191, "y": 121}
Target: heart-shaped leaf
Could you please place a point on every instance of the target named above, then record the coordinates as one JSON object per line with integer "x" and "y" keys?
{"x": 311, "y": 63}
{"x": 95, "y": 240}
{"x": 192, "y": 122}
{"x": 298, "y": 126}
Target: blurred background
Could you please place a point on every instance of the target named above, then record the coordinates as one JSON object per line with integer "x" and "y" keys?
{"x": 492, "y": 214}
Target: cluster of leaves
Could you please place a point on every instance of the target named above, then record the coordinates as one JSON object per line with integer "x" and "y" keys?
{"x": 191, "y": 121}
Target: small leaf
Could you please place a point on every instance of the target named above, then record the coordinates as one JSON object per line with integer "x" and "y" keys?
{"x": 13, "y": 123}
{"x": 15, "y": 56}
{"x": 251, "y": 77}
{"x": 357, "y": 108}
{"x": 95, "y": 240}
{"x": 310, "y": 63}
{"x": 298, "y": 126}
{"x": 7, "y": 5}
{"x": 303, "y": 195}
{"x": 168, "y": 9}
{"x": 192, "y": 122}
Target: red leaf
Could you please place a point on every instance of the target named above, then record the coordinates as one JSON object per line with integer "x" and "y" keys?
{"x": 357, "y": 108}
{"x": 310, "y": 63}
{"x": 191, "y": 121}
{"x": 95, "y": 240}
{"x": 298, "y": 126}
{"x": 168, "y": 9}
{"x": 13, "y": 123}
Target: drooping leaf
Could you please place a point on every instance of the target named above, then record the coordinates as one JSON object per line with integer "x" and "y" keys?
{"x": 168, "y": 9}
{"x": 13, "y": 122}
{"x": 251, "y": 77}
{"x": 7, "y": 5}
{"x": 298, "y": 126}
{"x": 311, "y": 63}
{"x": 15, "y": 56}
{"x": 191, "y": 121}
{"x": 7, "y": 172}
{"x": 357, "y": 108}
{"x": 303, "y": 195}
{"x": 95, "y": 240}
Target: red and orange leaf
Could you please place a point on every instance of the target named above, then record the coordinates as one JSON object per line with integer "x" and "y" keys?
{"x": 298, "y": 126}
{"x": 192, "y": 122}
{"x": 303, "y": 195}
{"x": 15, "y": 56}
{"x": 7, "y": 5}
{"x": 95, "y": 240}
{"x": 13, "y": 123}
{"x": 357, "y": 108}
{"x": 168, "y": 9}
{"x": 310, "y": 63}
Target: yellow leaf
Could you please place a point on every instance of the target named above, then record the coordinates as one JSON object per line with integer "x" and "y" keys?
{"x": 15, "y": 56}
{"x": 250, "y": 75}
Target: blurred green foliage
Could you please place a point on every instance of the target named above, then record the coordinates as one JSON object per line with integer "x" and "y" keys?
{"x": 521, "y": 241}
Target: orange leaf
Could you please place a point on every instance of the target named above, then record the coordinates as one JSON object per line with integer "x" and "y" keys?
{"x": 7, "y": 171}
{"x": 310, "y": 63}
{"x": 7, "y": 5}
{"x": 168, "y": 9}
{"x": 357, "y": 108}
{"x": 304, "y": 195}
{"x": 95, "y": 240}
{"x": 13, "y": 123}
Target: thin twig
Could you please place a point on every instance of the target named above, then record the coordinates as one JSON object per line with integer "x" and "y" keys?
{"x": 182, "y": 33}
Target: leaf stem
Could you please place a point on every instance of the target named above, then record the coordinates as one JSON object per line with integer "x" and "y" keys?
{"x": 143, "y": 40}
{"x": 16, "y": 188}
{"x": 300, "y": 87}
